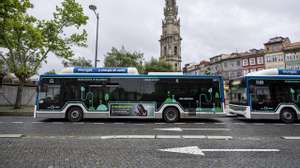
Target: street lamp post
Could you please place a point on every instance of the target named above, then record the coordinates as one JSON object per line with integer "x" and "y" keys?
{"x": 94, "y": 8}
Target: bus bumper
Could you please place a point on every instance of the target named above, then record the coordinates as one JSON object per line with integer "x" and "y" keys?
{"x": 240, "y": 110}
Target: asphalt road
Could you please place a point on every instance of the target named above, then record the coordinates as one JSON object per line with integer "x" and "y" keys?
{"x": 221, "y": 142}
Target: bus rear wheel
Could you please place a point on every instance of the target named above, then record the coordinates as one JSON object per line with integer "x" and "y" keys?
{"x": 75, "y": 114}
{"x": 171, "y": 114}
{"x": 288, "y": 116}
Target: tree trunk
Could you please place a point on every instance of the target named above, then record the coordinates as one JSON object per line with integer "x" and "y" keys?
{"x": 19, "y": 94}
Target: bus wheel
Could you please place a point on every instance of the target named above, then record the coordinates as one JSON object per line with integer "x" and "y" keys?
{"x": 171, "y": 114}
{"x": 288, "y": 116}
{"x": 75, "y": 114}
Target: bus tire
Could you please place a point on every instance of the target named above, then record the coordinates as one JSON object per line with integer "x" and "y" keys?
{"x": 288, "y": 115}
{"x": 75, "y": 114}
{"x": 171, "y": 114}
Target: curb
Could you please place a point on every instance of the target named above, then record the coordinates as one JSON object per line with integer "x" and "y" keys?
{"x": 22, "y": 114}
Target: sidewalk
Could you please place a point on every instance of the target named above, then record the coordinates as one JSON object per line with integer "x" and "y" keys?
{"x": 10, "y": 111}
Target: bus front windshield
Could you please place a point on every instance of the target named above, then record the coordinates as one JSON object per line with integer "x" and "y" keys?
{"x": 238, "y": 92}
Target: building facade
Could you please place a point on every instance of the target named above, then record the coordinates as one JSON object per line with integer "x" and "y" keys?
{"x": 274, "y": 56}
{"x": 170, "y": 40}
{"x": 292, "y": 56}
{"x": 198, "y": 69}
{"x": 232, "y": 66}
{"x": 253, "y": 61}
{"x": 216, "y": 67}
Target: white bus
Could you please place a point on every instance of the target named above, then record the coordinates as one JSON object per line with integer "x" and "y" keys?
{"x": 267, "y": 94}
{"x": 79, "y": 93}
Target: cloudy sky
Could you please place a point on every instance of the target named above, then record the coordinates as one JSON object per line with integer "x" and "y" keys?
{"x": 208, "y": 28}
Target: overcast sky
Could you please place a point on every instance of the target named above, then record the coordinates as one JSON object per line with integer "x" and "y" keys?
{"x": 209, "y": 27}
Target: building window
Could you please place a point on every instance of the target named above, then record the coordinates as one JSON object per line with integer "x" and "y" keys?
{"x": 260, "y": 60}
{"x": 238, "y": 63}
{"x": 245, "y": 62}
{"x": 165, "y": 51}
{"x": 225, "y": 64}
{"x": 253, "y": 70}
{"x": 175, "y": 50}
{"x": 252, "y": 61}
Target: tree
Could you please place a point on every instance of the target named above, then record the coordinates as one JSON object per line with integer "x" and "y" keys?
{"x": 50, "y": 72}
{"x": 155, "y": 65}
{"x": 28, "y": 41}
{"x": 124, "y": 58}
{"x": 78, "y": 62}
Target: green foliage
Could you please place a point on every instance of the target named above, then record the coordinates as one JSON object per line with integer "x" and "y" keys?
{"x": 50, "y": 72}
{"x": 28, "y": 41}
{"x": 124, "y": 58}
{"x": 155, "y": 65}
{"x": 78, "y": 62}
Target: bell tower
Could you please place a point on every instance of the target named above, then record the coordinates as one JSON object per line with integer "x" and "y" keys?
{"x": 170, "y": 40}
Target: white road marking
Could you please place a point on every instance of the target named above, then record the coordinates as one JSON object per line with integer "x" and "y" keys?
{"x": 219, "y": 137}
{"x": 291, "y": 137}
{"x": 38, "y": 122}
{"x": 159, "y": 123}
{"x": 11, "y": 135}
{"x": 195, "y": 150}
{"x": 194, "y": 136}
{"x": 99, "y": 123}
{"x": 239, "y": 123}
{"x": 128, "y": 137}
{"x": 220, "y": 123}
{"x": 119, "y": 123}
{"x": 192, "y": 129}
{"x": 168, "y": 137}
{"x": 78, "y": 123}
{"x": 17, "y": 122}
{"x": 57, "y": 123}
{"x": 297, "y": 124}
{"x": 199, "y": 123}
{"x": 179, "y": 123}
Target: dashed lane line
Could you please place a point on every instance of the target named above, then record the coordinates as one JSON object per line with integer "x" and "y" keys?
{"x": 98, "y": 123}
{"x": 57, "y": 123}
{"x": 220, "y": 123}
{"x": 38, "y": 122}
{"x": 291, "y": 137}
{"x": 79, "y": 123}
{"x": 239, "y": 123}
{"x": 107, "y": 137}
{"x": 11, "y": 135}
{"x": 118, "y": 123}
{"x": 179, "y": 123}
{"x": 17, "y": 122}
{"x": 168, "y": 137}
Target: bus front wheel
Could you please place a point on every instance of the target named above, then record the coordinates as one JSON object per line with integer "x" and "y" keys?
{"x": 171, "y": 114}
{"x": 75, "y": 114}
{"x": 288, "y": 115}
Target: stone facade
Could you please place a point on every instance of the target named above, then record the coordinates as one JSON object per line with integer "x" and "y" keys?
{"x": 274, "y": 56}
{"x": 292, "y": 56}
{"x": 170, "y": 40}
